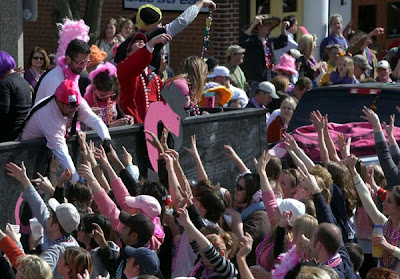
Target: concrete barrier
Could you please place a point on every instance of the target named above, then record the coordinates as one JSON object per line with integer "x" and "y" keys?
{"x": 244, "y": 130}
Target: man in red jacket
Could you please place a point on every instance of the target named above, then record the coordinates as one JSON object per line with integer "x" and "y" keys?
{"x": 139, "y": 86}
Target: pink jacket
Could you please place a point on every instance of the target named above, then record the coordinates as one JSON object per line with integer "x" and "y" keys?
{"x": 270, "y": 205}
{"x": 108, "y": 208}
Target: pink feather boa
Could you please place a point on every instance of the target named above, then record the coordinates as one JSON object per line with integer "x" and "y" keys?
{"x": 68, "y": 31}
{"x": 287, "y": 261}
{"x": 112, "y": 70}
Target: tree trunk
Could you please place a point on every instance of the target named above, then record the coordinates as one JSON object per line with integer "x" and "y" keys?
{"x": 93, "y": 17}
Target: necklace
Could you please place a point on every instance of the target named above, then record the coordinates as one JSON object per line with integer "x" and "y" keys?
{"x": 266, "y": 43}
{"x": 233, "y": 70}
{"x": 107, "y": 112}
{"x": 268, "y": 247}
{"x": 392, "y": 236}
{"x": 334, "y": 261}
{"x": 147, "y": 90}
{"x": 62, "y": 239}
{"x": 36, "y": 75}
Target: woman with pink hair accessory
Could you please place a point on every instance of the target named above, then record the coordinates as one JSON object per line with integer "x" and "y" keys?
{"x": 103, "y": 95}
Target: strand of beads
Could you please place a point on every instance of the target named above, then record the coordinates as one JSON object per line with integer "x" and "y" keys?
{"x": 206, "y": 39}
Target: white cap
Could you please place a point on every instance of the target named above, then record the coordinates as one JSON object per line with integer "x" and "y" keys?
{"x": 268, "y": 87}
{"x": 219, "y": 71}
{"x": 67, "y": 215}
{"x": 383, "y": 64}
{"x": 297, "y": 207}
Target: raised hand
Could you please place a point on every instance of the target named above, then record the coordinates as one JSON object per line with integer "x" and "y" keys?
{"x": 317, "y": 120}
{"x": 389, "y": 128}
{"x": 303, "y": 247}
{"x": 210, "y": 4}
{"x": 183, "y": 218}
{"x": 164, "y": 137}
{"x": 262, "y": 162}
{"x": 284, "y": 221}
{"x": 16, "y": 237}
{"x": 173, "y": 153}
{"x": 169, "y": 161}
{"x": 153, "y": 140}
{"x": 126, "y": 157}
{"x": 351, "y": 164}
{"x": 43, "y": 183}
{"x": 98, "y": 235}
{"x": 100, "y": 154}
{"x": 65, "y": 176}
{"x": 230, "y": 153}
{"x": 86, "y": 172}
{"x": 370, "y": 116}
{"x": 160, "y": 39}
{"x": 245, "y": 246}
{"x": 309, "y": 181}
{"x": 290, "y": 142}
{"x": 193, "y": 149}
{"x": 19, "y": 173}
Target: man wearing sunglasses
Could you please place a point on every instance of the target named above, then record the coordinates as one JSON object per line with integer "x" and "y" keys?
{"x": 76, "y": 60}
{"x": 51, "y": 116}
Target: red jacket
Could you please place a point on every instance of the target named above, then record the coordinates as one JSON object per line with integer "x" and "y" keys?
{"x": 132, "y": 100}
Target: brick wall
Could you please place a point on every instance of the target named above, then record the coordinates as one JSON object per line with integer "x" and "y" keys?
{"x": 224, "y": 30}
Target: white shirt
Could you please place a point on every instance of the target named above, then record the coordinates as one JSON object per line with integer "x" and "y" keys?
{"x": 49, "y": 84}
{"x": 290, "y": 44}
{"x": 50, "y": 123}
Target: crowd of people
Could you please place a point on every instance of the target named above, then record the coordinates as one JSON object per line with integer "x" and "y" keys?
{"x": 103, "y": 219}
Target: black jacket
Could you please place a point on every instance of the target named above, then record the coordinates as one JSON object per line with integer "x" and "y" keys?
{"x": 254, "y": 58}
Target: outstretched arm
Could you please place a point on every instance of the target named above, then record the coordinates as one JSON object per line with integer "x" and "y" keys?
{"x": 174, "y": 187}
{"x": 376, "y": 216}
{"x": 201, "y": 172}
{"x": 187, "y": 17}
{"x": 344, "y": 145}
{"x": 231, "y": 154}
{"x": 389, "y": 167}
{"x": 329, "y": 143}
{"x": 298, "y": 155}
{"x": 319, "y": 123}
{"x": 393, "y": 146}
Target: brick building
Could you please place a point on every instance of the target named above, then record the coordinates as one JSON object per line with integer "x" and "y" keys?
{"x": 224, "y": 30}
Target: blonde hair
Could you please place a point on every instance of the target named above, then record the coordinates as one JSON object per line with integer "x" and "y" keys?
{"x": 311, "y": 272}
{"x": 350, "y": 65}
{"x": 290, "y": 101}
{"x": 304, "y": 224}
{"x": 306, "y": 44}
{"x": 77, "y": 259}
{"x": 34, "y": 267}
{"x": 195, "y": 71}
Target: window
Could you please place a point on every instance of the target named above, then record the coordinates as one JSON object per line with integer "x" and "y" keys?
{"x": 393, "y": 20}
{"x": 366, "y": 18}
{"x": 289, "y": 6}
{"x": 263, "y": 7}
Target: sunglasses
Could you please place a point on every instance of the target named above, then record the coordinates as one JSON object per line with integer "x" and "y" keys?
{"x": 38, "y": 58}
{"x": 240, "y": 188}
{"x": 75, "y": 105}
{"x": 83, "y": 63}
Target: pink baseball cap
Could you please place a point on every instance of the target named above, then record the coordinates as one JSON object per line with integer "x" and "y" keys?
{"x": 68, "y": 93}
{"x": 148, "y": 204}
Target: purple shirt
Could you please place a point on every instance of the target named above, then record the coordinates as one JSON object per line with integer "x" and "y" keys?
{"x": 336, "y": 79}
